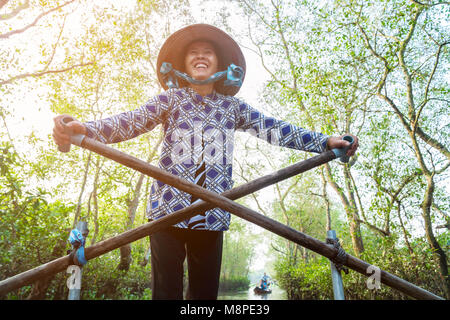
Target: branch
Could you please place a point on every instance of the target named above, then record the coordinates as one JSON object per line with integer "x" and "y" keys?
{"x": 442, "y": 226}
{"x": 255, "y": 198}
{"x": 445, "y": 215}
{"x": 369, "y": 46}
{"x": 405, "y": 181}
{"x": 387, "y": 69}
{"x": 405, "y": 122}
{"x": 405, "y": 233}
{"x": 11, "y": 141}
{"x": 56, "y": 45}
{"x": 429, "y": 4}
{"x": 388, "y": 36}
{"x": 278, "y": 250}
{"x": 291, "y": 65}
{"x": 41, "y": 73}
{"x": 260, "y": 54}
{"x": 385, "y": 232}
{"x": 397, "y": 111}
{"x": 443, "y": 168}
{"x": 438, "y": 53}
{"x": 8, "y": 34}
{"x": 374, "y": 228}
{"x": 394, "y": 198}
{"x": 259, "y": 15}
{"x": 403, "y": 66}
{"x": 432, "y": 142}
{"x": 279, "y": 30}
{"x": 3, "y": 3}
{"x": 15, "y": 12}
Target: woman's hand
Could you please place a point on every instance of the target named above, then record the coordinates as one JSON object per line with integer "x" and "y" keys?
{"x": 338, "y": 143}
{"x": 62, "y": 133}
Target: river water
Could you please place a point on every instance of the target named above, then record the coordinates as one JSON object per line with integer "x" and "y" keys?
{"x": 277, "y": 294}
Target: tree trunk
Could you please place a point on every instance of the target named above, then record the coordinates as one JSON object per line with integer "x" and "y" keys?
{"x": 125, "y": 251}
{"x": 438, "y": 253}
{"x": 405, "y": 233}
{"x": 144, "y": 261}
{"x": 83, "y": 185}
{"x": 95, "y": 199}
{"x": 327, "y": 201}
{"x": 351, "y": 213}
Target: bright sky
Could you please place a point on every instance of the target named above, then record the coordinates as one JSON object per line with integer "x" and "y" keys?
{"x": 34, "y": 114}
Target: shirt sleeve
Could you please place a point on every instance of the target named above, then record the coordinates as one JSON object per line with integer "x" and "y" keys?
{"x": 278, "y": 132}
{"x": 130, "y": 124}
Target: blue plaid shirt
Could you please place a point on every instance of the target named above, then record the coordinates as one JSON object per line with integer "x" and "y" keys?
{"x": 197, "y": 128}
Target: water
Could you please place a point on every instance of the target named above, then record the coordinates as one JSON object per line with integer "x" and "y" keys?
{"x": 277, "y": 294}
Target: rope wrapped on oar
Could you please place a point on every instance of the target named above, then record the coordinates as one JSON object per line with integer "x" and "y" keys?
{"x": 341, "y": 256}
{"x": 77, "y": 241}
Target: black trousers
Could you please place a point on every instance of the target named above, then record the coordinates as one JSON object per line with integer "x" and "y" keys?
{"x": 169, "y": 248}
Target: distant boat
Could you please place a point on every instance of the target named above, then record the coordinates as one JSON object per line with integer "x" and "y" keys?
{"x": 259, "y": 290}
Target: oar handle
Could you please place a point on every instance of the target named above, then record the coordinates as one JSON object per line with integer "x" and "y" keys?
{"x": 64, "y": 121}
{"x": 341, "y": 153}
{"x": 74, "y": 138}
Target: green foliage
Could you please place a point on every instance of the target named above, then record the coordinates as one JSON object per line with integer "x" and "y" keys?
{"x": 375, "y": 69}
{"x": 312, "y": 279}
{"x": 235, "y": 283}
{"x": 305, "y": 281}
{"x": 102, "y": 280}
{"x": 32, "y": 229}
{"x": 237, "y": 253}
{"x": 98, "y": 58}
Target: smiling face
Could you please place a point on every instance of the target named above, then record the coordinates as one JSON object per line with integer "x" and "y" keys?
{"x": 201, "y": 60}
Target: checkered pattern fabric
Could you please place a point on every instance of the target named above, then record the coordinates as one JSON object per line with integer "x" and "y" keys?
{"x": 199, "y": 221}
{"x": 199, "y": 128}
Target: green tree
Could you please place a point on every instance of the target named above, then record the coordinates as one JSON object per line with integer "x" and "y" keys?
{"x": 103, "y": 64}
{"x": 412, "y": 86}
{"x": 330, "y": 64}
{"x": 237, "y": 254}
{"x": 32, "y": 229}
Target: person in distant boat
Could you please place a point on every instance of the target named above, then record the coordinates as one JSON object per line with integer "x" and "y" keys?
{"x": 264, "y": 283}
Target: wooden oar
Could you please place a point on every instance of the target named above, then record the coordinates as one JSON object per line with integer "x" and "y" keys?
{"x": 61, "y": 264}
{"x": 211, "y": 200}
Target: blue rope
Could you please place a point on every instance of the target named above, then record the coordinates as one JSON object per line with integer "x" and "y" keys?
{"x": 77, "y": 241}
{"x": 234, "y": 75}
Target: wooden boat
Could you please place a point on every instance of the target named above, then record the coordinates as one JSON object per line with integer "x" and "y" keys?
{"x": 259, "y": 290}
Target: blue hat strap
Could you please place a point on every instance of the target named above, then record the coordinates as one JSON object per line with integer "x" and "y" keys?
{"x": 234, "y": 75}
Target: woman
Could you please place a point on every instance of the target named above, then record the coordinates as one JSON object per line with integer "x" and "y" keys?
{"x": 201, "y": 68}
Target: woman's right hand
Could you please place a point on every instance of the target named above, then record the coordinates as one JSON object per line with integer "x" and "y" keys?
{"x": 62, "y": 133}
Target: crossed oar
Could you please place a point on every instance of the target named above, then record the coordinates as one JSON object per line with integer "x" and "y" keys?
{"x": 209, "y": 200}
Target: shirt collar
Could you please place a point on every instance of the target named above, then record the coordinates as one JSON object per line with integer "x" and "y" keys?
{"x": 198, "y": 98}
